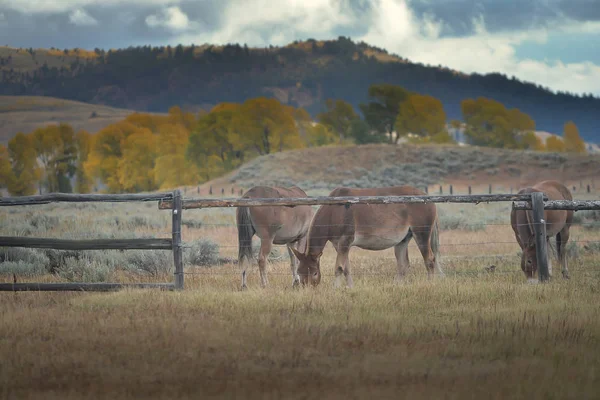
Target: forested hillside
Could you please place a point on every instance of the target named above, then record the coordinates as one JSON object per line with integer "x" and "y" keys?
{"x": 302, "y": 74}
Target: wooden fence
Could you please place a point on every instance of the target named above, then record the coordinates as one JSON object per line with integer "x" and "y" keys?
{"x": 174, "y": 202}
{"x": 173, "y": 244}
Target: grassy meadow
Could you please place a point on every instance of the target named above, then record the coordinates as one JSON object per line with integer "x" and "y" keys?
{"x": 472, "y": 334}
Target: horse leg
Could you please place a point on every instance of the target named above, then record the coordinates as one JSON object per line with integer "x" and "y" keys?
{"x": 341, "y": 265}
{"x": 265, "y": 250}
{"x": 243, "y": 264}
{"x": 549, "y": 256}
{"x": 561, "y": 247}
{"x": 402, "y": 260}
{"x": 422, "y": 239}
{"x": 294, "y": 267}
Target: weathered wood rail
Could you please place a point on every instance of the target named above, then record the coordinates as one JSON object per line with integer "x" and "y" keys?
{"x": 575, "y": 205}
{"x": 347, "y": 200}
{"x": 94, "y": 244}
{"x": 173, "y": 244}
{"x": 82, "y": 198}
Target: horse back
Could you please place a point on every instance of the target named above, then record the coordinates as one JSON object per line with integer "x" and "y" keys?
{"x": 281, "y": 222}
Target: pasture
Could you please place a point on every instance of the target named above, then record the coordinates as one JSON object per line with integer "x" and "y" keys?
{"x": 469, "y": 335}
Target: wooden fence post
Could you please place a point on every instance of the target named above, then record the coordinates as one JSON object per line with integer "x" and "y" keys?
{"x": 177, "y": 251}
{"x": 441, "y": 191}
{"x": 490, "y": 189}
{"x": 469, "y": 189}
{"x": 427, "y": 189}
{"x": 210, "y": 190}
{"x": 588, "y": 188}
{"x": 539, "y": 227}
{"x": 451, "y": 190}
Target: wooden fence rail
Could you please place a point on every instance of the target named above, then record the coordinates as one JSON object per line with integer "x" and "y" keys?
{"x": 575, "y": 205}
{"x": 346, "y": 200}
{"x": 94, "y": 244}
{"x": 173, "y": 244}
{"x": 82, "y": 198}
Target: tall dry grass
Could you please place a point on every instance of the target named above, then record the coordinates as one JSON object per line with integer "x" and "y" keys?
{"x": 470, "y": 335}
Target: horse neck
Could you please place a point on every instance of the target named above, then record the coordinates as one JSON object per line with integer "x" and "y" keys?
{"x": 319, "y": 232}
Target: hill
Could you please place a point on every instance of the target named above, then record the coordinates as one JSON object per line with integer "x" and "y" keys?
{"x": 324, "y": 168}
{"x": 26, "y": 113}
{"x": 302, "y": 74}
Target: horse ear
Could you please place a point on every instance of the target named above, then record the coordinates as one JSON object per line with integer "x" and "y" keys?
{"x": 299, "y": 255}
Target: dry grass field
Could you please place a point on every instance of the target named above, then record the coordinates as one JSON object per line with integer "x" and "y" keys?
{"x": 471, "y": 334}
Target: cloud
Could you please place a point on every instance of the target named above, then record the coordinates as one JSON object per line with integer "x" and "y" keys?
{"x": 396, "y": 28}
{"x": 61, "y": 6}
{"x": 81, "y": 18}
{"x": 171, "y": 18}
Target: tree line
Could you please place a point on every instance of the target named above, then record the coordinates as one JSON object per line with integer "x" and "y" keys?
{"x": 146, "y": 152}
{"x": 308, "y": 72}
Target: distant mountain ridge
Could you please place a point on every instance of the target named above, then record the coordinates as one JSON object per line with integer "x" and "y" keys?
{"x": 302, "y": 74}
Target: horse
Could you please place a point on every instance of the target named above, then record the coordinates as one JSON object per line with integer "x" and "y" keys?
{"x": 273, "y": 225}
{"x": 558, "y": 223}
{"x": 372, "y": 227}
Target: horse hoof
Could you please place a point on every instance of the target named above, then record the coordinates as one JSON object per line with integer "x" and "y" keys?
{"x": 243, "y": 288}
{"x": 566, "y": 276}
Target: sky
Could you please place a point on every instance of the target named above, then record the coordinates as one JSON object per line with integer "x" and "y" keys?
{"x": 555, "y": 43}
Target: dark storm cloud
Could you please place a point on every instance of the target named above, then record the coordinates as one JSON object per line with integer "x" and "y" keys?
{"x": 121, "y": 24}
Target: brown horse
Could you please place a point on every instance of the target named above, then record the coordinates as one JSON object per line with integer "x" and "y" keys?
{"x": 371, "y": 227}
{"x": 558, "y": 223}
{"x": 273, "y": 225}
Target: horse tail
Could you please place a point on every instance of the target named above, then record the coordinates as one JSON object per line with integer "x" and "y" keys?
{"x": 245, "y": 233}
{"x": 434, "y": 243}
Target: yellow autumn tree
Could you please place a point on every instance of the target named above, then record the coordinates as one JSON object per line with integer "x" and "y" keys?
{"x": 321, "y": 135}
{"x": 573, "y": 142}
{"x": 555, "y": 144}
{"x": 83, "y": 144}
{"x": 266, "y": 126}
{"x": 103, "y": 159}
{"x": 136, "y": 165}
{"x": 6, "y": 174}
{"x": 531, "y": 141}
{"x": 172, "y": 168}
{"x": 421, "y": 115}
{"x": 25, "y": 172}
{"x": 214, "y": 145}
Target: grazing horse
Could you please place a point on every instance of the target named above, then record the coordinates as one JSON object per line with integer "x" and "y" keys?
{"x": 558, "y": 223}
{"x": 371, "y": 227}
{"x": 273, "y": 225}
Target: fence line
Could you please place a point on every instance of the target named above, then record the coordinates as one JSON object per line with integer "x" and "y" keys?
{"x": 173, "y": 244}
{"x": 536, "y": 201}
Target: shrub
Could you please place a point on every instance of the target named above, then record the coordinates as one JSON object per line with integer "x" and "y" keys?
{"x": 21, "y": 268}
{"x": 153, "y": 262}
{"x": 84, "y": 270}
{"x": 202, "y": 252}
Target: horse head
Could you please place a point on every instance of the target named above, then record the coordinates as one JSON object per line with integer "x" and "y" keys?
{"x": 309, "y": 268}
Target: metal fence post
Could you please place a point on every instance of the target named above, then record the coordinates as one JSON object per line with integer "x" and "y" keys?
{"x": 177, "y": 252}
{"x": 539, "y": 226}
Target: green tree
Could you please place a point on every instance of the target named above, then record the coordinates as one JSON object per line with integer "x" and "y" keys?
{"x": 338, "y": 116}
{"x": 362, "y": 133}
{"x": 382, "y": 111}
{"x": 572, "y": 140}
